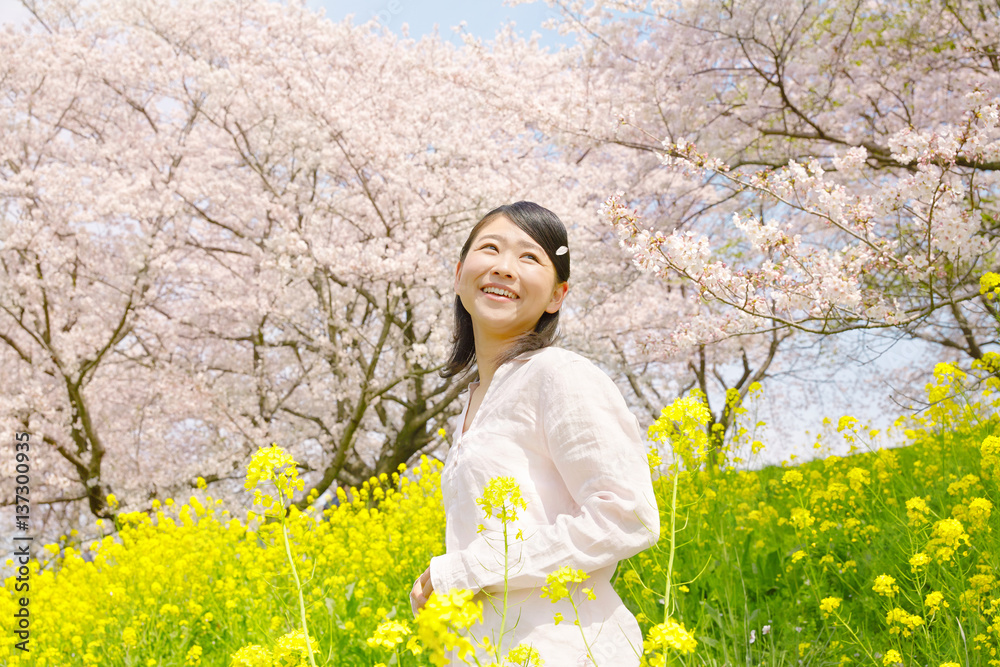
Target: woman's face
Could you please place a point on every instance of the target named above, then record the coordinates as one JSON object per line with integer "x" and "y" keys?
{"x": 506, "y": 281}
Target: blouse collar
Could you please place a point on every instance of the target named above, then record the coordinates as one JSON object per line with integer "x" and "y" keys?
{"x": 524, "y": 356}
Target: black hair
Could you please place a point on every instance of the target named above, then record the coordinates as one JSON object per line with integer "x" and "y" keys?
{"x": 548, "y": 231}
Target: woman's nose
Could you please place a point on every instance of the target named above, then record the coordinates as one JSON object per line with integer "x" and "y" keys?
{"x": 502, "y": 267}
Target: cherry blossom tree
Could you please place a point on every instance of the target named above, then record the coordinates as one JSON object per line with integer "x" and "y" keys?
{"x": 231, "y": 223}
{"x": 831, "y": 166}
{"x": 85, "y": 236}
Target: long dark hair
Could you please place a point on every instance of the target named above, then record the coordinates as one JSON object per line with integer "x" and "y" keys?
{"x": 547, "y": 230}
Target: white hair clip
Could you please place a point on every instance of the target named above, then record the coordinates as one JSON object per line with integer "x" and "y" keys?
{"x": 562, "y": 250}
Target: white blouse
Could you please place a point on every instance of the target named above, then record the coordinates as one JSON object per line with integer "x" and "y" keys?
{"x": 557, "y": 424}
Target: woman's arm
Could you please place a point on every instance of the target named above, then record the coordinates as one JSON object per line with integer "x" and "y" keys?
{"x": 595, "y": 444}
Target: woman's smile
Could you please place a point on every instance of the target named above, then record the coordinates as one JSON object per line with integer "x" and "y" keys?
{"x": 500, "y": 292}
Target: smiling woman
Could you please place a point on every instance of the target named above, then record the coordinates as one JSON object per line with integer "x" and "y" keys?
{"x": 556, "y": 425}
{"x": 523, "y": 243}
{"x": 506, "y": 284}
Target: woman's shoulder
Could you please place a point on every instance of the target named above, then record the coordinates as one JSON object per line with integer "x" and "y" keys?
{"x": 559, "y": 376}
{"x": 562, "y": 366}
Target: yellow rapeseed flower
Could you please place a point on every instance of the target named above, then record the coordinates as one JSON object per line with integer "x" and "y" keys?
{"x": 917, "y": 511}
{"x": 802, "y": 518}
{"x": 947, "y": 536}
{"x": 669, "y": 635}
{"x": 829, "y": 605}
{"x": 934, "y": 601}
{"x": 556, "y": 582}
{"x": 892, "y": 657}
{"x": 982, "y": 583}
{"x": 902, "y": 622}
{"x": 989, "y": 284}
{"x": 193, "y": 656}
{"x": 291, "y": 648}
{"x": 990, "y": 451}
{"x": 389, "y": 634}
{"x": 251, "y": 655}
{"x": 524, "y": 656}
{"x": 653, "y": 458}
{"x": 846, "y": 422}
{"x": 441, "y": 621}
{"x": 885, "y": 585}
{"x": 792, "y": 478}
{"x": 501, "y": 499}
{"x": 858, "y": 478}
{"x": 273, "y": 464}
{"x": 980, "y": 510}
{"x": 681, "y": 425}
{"x": 963, "y": 486}
{"x": 919, "y": 560}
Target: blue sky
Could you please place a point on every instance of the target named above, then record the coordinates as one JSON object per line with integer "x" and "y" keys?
{"x": 11, "y": 11}
{"x": 482, "y": 17}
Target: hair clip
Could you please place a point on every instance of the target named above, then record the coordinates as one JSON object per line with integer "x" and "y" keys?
{"x": 562, "y": 250}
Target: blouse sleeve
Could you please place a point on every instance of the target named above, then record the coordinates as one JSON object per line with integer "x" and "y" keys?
{"x": 595, "y": 444}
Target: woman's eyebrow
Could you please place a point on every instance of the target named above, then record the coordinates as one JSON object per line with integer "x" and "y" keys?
{"x": 523, "y": 244}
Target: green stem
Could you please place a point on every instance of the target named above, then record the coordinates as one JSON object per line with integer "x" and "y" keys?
{"x": 857, "y": 639}
{"x": 506, "y": 585}
{"x": 576, "y": 613}
{"x": 670, "y": 560}
{"x": 295, "y": 575}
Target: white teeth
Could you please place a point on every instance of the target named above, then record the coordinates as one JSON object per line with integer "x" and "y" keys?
{"x": 501, "y": 292}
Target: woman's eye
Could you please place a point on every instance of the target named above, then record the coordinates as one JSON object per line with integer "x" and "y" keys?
{"x": 488, "y": 245}
{"x": 531, "y": 256}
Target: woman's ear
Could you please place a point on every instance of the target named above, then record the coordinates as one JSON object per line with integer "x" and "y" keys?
{"x": 458, "y": 271}
{"x": 558, "y": 294}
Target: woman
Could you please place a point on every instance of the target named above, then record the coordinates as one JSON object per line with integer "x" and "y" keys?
{"x": 559, "y": 426}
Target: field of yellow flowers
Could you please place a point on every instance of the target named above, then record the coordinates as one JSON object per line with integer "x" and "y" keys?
{"x": 885, "y": 557}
